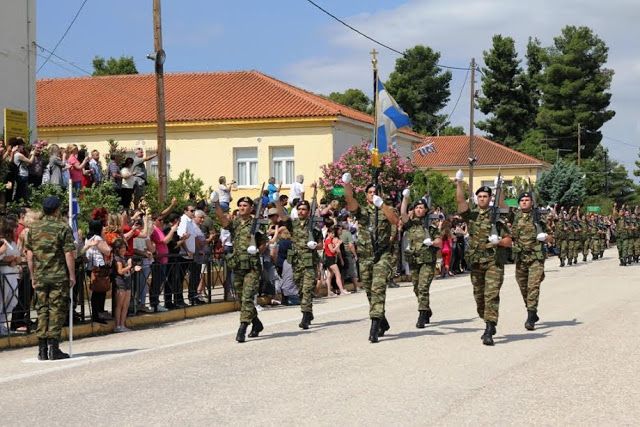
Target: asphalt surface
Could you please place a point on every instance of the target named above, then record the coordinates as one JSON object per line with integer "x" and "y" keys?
{"x": 580, "y": 365}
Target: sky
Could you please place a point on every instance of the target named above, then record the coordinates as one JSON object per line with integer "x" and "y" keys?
{"x": 294, "y": 41}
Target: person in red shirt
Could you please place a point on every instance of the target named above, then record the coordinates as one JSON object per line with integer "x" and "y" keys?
{"x": 77, "y": 167}
{"x": 331, "y": 254}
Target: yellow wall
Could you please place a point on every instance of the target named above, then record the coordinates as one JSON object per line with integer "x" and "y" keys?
{"x": 208, "y": 152}
{"x": 490, "y": 174}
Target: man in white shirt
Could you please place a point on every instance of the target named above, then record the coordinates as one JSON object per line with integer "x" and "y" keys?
{"x": 190, "y": 229}
{"x": 297, "y": 190}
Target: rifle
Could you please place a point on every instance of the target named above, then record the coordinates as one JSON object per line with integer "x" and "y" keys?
{"x": 312, "y": 213}
{"x": 427, "y": 217}
{"x": 256, "y": 220}
{"x": 536, "y": 211}
{"x": 496, "y": 205}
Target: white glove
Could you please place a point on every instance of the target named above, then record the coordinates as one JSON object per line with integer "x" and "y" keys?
{"x": 542, "y": 237}
{"x": 427, "y": 242}
{"x": 252, "y": 250}
{"x": 406, "y": 192}
{"x": 346, "y": 178}
{"x": 377, "y": 200}
{"x": 312, "y": 245}
{"x": 215, "y": 197}
{"x": 459, "y": 175}
{"x": 276, "y": 196}
{"x": 494, "y": 239}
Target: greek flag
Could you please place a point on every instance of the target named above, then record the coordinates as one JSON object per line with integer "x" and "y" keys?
{"x": 390, "y": 119}
{"x": 74, "y": 211}
{"x": 426, "y": 149}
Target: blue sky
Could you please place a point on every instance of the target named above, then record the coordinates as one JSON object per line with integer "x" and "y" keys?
{"x": 294, "y": 41}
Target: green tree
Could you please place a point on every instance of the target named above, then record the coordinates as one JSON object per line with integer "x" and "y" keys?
{"x": 636, "y": 171}
{"x": 443, "y": 189}
{"x": 420, "y": 87}
{"x": 113, "y": 66}
{"x": 353, "y": 98}
{"x": 186, "y": 188}
{"x": 608, "y": 178}
{"x": 562, "y": 184}
{"x": 575, "y": 88}
{"x": 532, "y": 79}
{"x": 452, "y": 131}
{"x": 504, "y": 98}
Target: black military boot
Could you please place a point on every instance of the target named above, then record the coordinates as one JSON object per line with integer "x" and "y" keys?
{"x": 629, "y": 260}
{"x": 306, "y": 320}
{"x": 54, "y": 351}
{"x": 384, "y": 326}
{"x": 392, "y": 284}
{"x": 375, "y": 330}
{"x": 42, "y": 349}
{"x": 622, "y": 263}
{"x": 489, "y": 332}
{"x": 256, "y": 327}
{"x": 242, "y": 331}
{"x": 575, "y": 260}
{"x": 422, "y": 319}
{"x": 570, "y": 261}
{"x": 584, "y": 258}
{"x": 562, "y": 263}
{"x": 532, "y": 318}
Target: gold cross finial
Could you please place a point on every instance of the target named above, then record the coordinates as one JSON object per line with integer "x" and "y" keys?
{"x": 374, "y": 60}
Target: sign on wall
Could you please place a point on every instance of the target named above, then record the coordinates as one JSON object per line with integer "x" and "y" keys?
{"x": 16, "y": 124}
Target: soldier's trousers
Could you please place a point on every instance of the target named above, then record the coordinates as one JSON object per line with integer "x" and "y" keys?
{"x": 487, "y": 278}
{"x": 573, "y": 248}
{"x": 246, "y": 284}
{"x": 596, "y": 247}
{"x": 52, "y": 305}
{"x": 637, "y": 246}
{"x": 305, "y": 279}
{"x": 585, "y": 246}
{"x": 563, "y": 248}
{"x": 373, "y": 278}
{"x": 529, "y": 275}
{"x": 623, "y": 247}
{"x": 421, "y": 277}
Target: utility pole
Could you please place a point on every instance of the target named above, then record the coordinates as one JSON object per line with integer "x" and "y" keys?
{"x": 472, "y": 109}
{"x": 159, "y": 58}
{"x": 606, "y": 171}
{"x": 579, "y": 146}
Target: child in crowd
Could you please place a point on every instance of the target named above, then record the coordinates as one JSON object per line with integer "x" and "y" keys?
{"x": 123, "y": 265}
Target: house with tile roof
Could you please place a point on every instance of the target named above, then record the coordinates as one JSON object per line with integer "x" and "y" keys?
{"x": 244, "y": 125}
{"x": 450, "y": 153}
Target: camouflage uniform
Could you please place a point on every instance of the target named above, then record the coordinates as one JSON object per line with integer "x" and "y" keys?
{"x": 586, "y": 237}
{"x": 622, "y": 239}
{"x": 487, "y": 262}
{"x": 303, "y": 260}
{"x": 421, "y": 259}
{"x": 635, "y": 223}
{"x": 246, "y": 267}
{"x": 529, "y": 256}
{"x": 49, "y": 240}
{"x": 394, "y": 253}
{"x": 374, "y": 268}
{"x": 574, "y": 239}
{"x": 596, "y": 247}
{"x": 561, "y": 238}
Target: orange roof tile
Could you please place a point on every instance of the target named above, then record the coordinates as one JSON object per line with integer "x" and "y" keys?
{"x": 130, "y": 99}
{"x": 453, "y": 151}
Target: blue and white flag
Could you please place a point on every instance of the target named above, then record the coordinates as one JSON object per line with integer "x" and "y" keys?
{"x": 426, "y": 149}
{"x": 74, "y": 211}
{"x": 390, "y": 118}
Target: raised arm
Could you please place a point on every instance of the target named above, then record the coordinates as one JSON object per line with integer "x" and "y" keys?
{"x": 224, "y": 220}
{"x": 352, "y": 204}
{"x": 281, "y": 213}
{"x": 463, "y": 205}
{"x": 404, "y": 206}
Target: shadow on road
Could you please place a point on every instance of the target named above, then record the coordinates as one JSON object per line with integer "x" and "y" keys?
{"x": 464, "y": 330}
{"x": 547, "y": 325}
{"x": 412, "y": 334}
{"x": 452, "y": 322}
{"x": 520, "y": 337}
{"x": 340, "y": 322}
{"x": 105, "y": 352}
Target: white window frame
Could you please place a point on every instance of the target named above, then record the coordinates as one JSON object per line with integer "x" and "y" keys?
{"x": 247, "y": 161}
{"x": 283, "y": 160}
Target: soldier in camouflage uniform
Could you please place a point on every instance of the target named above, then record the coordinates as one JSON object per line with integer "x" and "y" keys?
{"x": 529, "y": 254}
{"x": 244, "y": 262}
{"x": 574, "y": 233}
{"x": 51, "y": 258}
{"x": 595, "y": 230}
{"x": 562, "y": 237}
{"x": 622, "y": 236}
{"x": 420, "y": 252}
{"x": 585, "y": 226}
{"x": 635, "y": 237}
{"x": 374, "y": 256}
{"x": 487, "y": 254}
{"x": 303, "y": 256}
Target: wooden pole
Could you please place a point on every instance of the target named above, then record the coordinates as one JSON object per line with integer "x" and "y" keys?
{"x": 160, "y": 112}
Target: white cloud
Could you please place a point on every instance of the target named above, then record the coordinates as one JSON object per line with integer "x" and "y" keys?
{"x": 461, "y": 29}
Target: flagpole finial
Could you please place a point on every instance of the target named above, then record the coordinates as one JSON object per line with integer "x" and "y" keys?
{"x": 374, "y": 60}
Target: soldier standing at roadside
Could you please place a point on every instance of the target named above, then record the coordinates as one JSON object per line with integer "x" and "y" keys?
{"x": 529, "y": 238}
{"x": 245, "y": 262}
{"x": 51, "y": 259}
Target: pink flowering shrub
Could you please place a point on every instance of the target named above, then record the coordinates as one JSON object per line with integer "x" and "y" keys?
{"x": 393, "y": 178}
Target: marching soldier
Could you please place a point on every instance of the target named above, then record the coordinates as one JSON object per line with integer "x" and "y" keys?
{"x": 244, "y": 262}
{"x": 635, "y": 232}
{"x": 529, "y": 254}
{"x": 487, "y": 255}
{"x": 420, "y": 252}
{"x": 51, "y": 259}
{"x": 595, "y": 237}
{"x": 574, "y": 237}
{"x": 303, "y": 256}
{"x": 374, "y": 255}
{"x": 562, "y": 237}
{"x": 585, "y": 226}
{"x": 621, "y": 233}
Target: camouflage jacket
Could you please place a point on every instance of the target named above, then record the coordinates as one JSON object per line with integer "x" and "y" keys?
{"x": 526, "y": 246}
{"x": 49, "y": 240}
{"x": 416, "y": 232}
{"x": 559, "y": 232}
{"x": 241, "y": 235}
{"x": 480, "y": 250}
{"x": 365, "y": 216}
{"x": 621, "y": 232}
{"x": 300, "y": 253}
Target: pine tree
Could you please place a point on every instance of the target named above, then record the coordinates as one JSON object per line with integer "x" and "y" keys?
{"x": 353, "y": 98}
{"x": 575, "y": 88}
{"x": 562, "y": 184}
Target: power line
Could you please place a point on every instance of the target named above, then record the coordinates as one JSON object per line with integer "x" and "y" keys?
{"x": 371, "y": 38}
{"x": 620, "y": 142}
{"x": 464, "y": 83}
{"x": 63, "y": 36}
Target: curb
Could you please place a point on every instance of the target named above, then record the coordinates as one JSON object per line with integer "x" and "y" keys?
{"x": 96, "y": 329}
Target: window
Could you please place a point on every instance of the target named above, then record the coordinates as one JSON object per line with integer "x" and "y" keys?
{"x": 152, "y": 165}
{"x": 247, "y": 167}
{"x": 282, "y": 165}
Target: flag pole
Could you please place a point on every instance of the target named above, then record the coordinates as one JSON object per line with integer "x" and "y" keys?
{"x": 70, "y": 288}
{"x": 375, "y": 156}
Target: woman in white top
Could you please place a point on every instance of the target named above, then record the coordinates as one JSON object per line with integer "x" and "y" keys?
{"x": 9, "y": 272}
{"x": 225, "y": 193}
{"x": 128, "y": 180}
{"x": 22, "y": 162}
{"x": 97, "y": 254}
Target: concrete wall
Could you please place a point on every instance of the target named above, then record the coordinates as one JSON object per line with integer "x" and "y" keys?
{"x": 18, "y": 58}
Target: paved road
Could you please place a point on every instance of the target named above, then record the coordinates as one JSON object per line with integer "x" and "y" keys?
{"x": 580, "y": 366}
